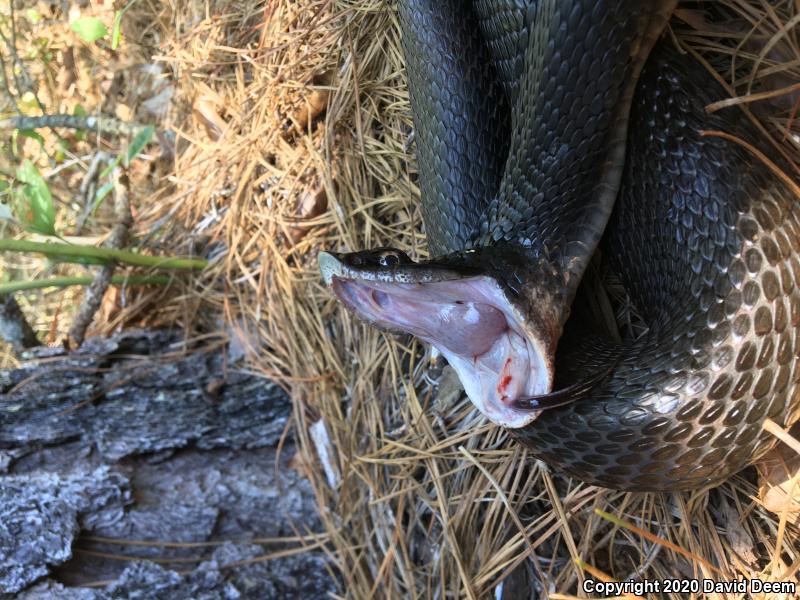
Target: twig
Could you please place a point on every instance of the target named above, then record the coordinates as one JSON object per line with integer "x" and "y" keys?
{"x": 92, "y": 172}
{"x": 732, "y": 93}
{"x": 90, "y": 123}
{"x": 62, "y": 282}
{"x": 118, "y": 238}
{"x": 14, "y": 327}
{"x": 21, "y": 77}
{"x": 4, "y": 85}
{"x": 88, "y": 189}
{"x": 80, "y": 253}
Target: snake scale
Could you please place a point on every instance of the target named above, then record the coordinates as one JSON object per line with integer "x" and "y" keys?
{"x": 544, "y": 128}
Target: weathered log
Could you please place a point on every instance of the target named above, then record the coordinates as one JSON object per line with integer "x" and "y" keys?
{"x": 137, "y": 437}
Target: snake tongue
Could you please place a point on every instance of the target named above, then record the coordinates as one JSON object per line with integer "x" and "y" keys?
{"x": 472, "y": 324}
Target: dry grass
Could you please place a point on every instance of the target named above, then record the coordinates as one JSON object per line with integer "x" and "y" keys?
{"x": 419, "y": 495}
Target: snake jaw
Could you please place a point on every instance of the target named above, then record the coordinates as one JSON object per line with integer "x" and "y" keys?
{"x": 469, "y": 320}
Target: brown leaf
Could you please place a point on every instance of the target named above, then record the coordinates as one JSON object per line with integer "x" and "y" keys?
{"x": 300, "y": 465}
{"x": 315, "y": 102}
{"x": 309, "y": 205}
{"x": 205, "y": 110}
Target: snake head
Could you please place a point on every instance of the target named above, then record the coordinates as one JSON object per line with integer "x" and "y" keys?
{"x": 468, "y": 307}
{"x": 365, "y": 264}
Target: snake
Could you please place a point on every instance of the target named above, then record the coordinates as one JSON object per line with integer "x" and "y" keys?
{"x": 548, "y": 130}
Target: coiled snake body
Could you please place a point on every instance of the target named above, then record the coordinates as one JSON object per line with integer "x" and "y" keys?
{"x": 533, "y": 121}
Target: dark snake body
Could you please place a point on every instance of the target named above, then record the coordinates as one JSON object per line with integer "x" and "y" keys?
{"x": 513, "y": 104}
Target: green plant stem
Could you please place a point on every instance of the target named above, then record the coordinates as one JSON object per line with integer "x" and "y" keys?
{"x": 66, "y": 251}
{"x": 62, "y": 282}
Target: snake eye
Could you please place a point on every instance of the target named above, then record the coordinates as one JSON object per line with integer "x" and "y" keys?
{"x": 388, "y": 258}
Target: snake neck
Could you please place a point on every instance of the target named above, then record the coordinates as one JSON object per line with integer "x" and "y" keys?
{"x": 581, "y": 63}
{"x": 498, "y": 334}
{"x": 497, "y": 310}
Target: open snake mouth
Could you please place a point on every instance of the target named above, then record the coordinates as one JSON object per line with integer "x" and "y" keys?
{"x": 473, "y": 325}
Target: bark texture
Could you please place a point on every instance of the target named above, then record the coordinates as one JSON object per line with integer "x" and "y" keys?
{"x": 132, "y": 438}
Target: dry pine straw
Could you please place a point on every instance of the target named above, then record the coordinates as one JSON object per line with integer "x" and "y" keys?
{"x": 420, "y": 497}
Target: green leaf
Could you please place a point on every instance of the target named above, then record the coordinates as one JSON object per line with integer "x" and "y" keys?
{"x": 76, "y": 260}
{"x": 62, "y": 147}
{"x": 100, "y": 195}
{"x": 34, "y": 135}
{"x": 89, "y": 29}
{"x": 138, "y": 143}
{"x": 34, "y": 203}
{"x": 111, "y": 166}
{"x": 116, "y": 32}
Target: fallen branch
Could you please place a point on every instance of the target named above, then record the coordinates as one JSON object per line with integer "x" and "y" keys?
{"x": 79, "y": 433}
{"x": 89, "y": 123}
{"x": 88, "y": 188}
{"x": 119, "y": 236}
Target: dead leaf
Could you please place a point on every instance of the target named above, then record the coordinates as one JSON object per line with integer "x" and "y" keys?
{"x": 158, "y": 104}
{"x": 309, "y": 205}
{"x": 315, "y": 102}
{"x": 205, "y": 110}
{"x": 123, "y": 112}
{"x": 325, "y": 453}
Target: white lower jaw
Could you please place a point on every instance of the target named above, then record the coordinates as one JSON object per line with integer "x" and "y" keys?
{"x": 511, "y": 369}
{"x": 514, "y": 366}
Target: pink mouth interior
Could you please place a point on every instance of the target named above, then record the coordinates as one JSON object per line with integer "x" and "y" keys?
{"x": 474, "y": 327}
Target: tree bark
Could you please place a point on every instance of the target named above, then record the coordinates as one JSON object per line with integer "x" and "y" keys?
{"x": 14, "y": 327}
{"x": 138, "y": 438}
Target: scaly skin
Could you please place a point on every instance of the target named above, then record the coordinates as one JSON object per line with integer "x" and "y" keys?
{"x": 704, "y": 236}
